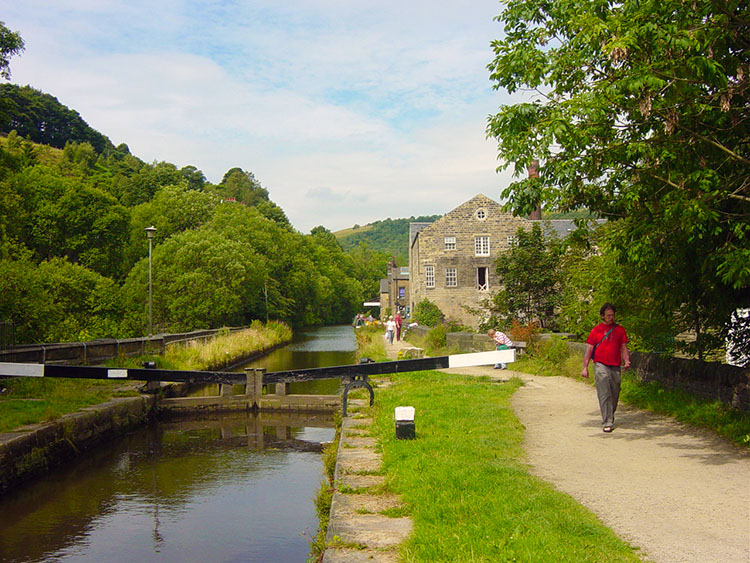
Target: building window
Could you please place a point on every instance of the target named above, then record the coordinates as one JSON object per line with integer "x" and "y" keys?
{"x": 429, "y": 276}
{"x": 450, "y": 243}
{"x": 483, "y": 279}
{"x": 481, "y": 246}
{"x": 512, "y": 240}
{"x": 481, "y": 214}
{"x": 451, "y": 277}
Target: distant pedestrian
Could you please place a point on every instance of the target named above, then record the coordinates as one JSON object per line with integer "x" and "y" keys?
{"x": 607, "y": 346}
{"x": 502, "y": 342}
{"x": 390, "y": 329}
{"x": 399, "y": 322}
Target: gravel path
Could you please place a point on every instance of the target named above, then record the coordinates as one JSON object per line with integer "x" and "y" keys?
{"x": 677, "y": 493}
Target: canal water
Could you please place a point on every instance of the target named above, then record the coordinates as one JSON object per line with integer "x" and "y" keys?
{"x": 235, "y": 487}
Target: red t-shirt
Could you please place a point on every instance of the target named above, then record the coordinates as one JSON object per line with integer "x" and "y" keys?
{"x": 608, "y": 352}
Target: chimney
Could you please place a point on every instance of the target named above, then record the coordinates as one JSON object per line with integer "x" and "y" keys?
{"x": 536, "y": 215}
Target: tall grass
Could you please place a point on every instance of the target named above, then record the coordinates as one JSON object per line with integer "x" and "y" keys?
{"x": 370, "y": 343}
{"x": 465, "y": 484}
{"x": 228, "y": 348}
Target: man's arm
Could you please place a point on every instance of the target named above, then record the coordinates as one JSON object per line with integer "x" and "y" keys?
{"x": 587, "y": 359}
{"x": 625, "y": 355}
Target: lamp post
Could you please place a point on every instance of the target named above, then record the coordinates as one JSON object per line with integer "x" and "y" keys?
{"x": 150, "y": 234}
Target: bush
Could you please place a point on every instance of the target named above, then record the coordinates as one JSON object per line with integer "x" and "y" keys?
{"x": 524, "y": 333}
{"x": 555, "y": 350}
{"x": 427, "y": 313}
{"x": 436, "y": 338}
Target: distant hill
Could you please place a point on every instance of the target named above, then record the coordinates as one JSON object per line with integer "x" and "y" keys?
{"x": 43, "y": 119}
{"x": 390, "y": 236}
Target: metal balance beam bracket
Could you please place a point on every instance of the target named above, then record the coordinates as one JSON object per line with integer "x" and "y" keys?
{"x": 355, "y": 381}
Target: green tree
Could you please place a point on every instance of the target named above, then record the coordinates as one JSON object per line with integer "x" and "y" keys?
{"x": 641, "y": 116}
{"x": 370, "y": 267}
{"x": 427, "y": 313}
{"x": 11, "y": 44}
{"x": 530, "y": 279}
{"x": 43, "y": 119}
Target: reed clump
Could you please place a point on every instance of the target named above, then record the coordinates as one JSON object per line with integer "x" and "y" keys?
{"x": 228, "y": 348}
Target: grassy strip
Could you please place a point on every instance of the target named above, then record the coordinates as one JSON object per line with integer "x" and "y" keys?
{"x": 465, "y": 484}
{"x": 370, "y": 343}
{"x": 554, "y": 358}
{"x": 325, "y": 494}
{"x": 28, "y": 400}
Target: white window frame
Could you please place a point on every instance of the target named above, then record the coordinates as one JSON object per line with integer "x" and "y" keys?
{"x": 429, "y": 276}
{"x": 451, "y": 277}
{"x": 481, "y": 214}
{"x": 512, "y": 240}
{"x": 450, "y": 243}
{"x": 482, "y": 245}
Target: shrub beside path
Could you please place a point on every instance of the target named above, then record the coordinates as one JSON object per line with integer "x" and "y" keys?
{"x": 678, "y": 493}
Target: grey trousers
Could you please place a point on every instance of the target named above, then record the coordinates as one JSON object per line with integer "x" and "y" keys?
{"x": 607, "y": 391}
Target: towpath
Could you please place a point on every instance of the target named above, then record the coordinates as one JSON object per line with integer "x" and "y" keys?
{"x": 677, "y": 493}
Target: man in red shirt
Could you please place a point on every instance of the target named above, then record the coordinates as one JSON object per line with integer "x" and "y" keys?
{"x": 607, "y": 346}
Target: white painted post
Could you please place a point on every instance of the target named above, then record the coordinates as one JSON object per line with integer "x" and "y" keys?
{"x": 405, "y": 423}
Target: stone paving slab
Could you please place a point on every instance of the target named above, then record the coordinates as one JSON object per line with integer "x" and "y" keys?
{"x": 341, "y": 555}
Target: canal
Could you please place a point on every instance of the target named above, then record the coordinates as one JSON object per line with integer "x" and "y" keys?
{"x": 232, "y": 487}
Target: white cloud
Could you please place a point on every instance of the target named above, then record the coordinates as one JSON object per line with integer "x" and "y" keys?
{"x": 347, "y": 112}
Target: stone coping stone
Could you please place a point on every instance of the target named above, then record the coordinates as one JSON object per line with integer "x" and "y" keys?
{"x": 361, "y": 442}
{"x": 345, "y": 555}
{"x": 358, "y": 481}
{"x": 372, "y": 530}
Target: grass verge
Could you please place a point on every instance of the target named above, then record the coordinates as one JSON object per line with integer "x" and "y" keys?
{"x": 465, "y": 485}
{"x": 325, "y": 495}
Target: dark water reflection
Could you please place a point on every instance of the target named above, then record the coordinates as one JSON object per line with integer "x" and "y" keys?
{"x": 229, "y": 488}
{"x": 232, "y": 488}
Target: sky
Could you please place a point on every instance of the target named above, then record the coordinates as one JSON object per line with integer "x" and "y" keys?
{"x": 347, "y": 112}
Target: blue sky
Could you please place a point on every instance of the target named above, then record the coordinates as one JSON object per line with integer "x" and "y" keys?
{"x": 346, "y": 111}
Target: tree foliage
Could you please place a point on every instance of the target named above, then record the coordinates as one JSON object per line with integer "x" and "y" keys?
{"x": 43, "y": 119}
{"x": 427, "y": 313}
{"x": 641, "y": 116}
{"x": 11, "y": 44}
{"x": 74, "y": 255}
{"x": 530, "y": 278}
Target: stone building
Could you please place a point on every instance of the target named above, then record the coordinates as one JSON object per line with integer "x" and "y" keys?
{"x": 394, "y": 291}
{"x": 452, "y": 261}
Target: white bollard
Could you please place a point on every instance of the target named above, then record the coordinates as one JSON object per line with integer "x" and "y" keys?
{"x": 405, "y": 423}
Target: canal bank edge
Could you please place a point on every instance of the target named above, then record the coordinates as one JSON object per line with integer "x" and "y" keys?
{"x": 34, "y": 449}
{"x": 358, "y": 529}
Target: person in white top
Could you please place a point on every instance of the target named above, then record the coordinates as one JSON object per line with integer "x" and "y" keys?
{"x": 390, "y": 329}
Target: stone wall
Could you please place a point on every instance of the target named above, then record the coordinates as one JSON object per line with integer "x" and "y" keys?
{"x": 710, "y": 380}
{"x": 33, "y": 450}
{"x": 97, "y": 351}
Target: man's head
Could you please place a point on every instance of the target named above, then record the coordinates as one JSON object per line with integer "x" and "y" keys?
{"x": 607, "y": 313}
{"x": 491, "y": 332}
